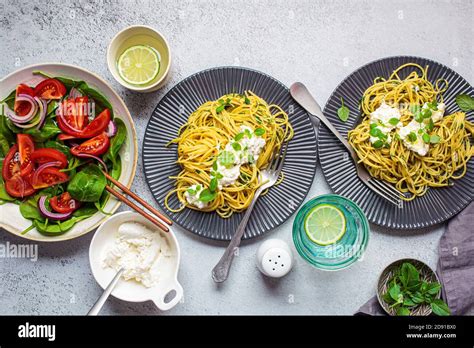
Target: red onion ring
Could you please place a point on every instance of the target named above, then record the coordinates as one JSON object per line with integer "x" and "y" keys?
{"x": 74, "y": 93}
{"x": 98, "y": 159}
{"x": 50, "y": 215}
{"x": 23, "y": 119}
{"x": 43, "y": 167}
{"x": 111, "y": 129}
{"x": 43, "y": 112}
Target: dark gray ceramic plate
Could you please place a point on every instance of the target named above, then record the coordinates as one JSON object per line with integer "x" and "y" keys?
{"x": 173, "y": 110}
{"x": 437, "y": 205}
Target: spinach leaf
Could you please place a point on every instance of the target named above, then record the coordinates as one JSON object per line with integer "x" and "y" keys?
{"x": 4, "y": 146}
{"x": 88, "y": 184}
{"x": 60, "y": 147}
{"x": 10, "y": 99}
{"x": 57, "y": 227}
{"x": 48, "y": 131}
{"x": 98, "y": 97}
{"x": 29, "y": 210}
{"x": 117, "y": 168}
{"x": 4, "y": 196}
{"x": 117, "y": 141}
{"x": 5, "y": 131}
{"x": 86, "y": 210}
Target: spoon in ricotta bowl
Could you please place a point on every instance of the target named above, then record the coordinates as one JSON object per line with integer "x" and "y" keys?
{"x": 146, "y": 258}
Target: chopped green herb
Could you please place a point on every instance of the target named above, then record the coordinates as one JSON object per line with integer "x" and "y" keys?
{"x": 198, "y": 187}
{"x": 434, "y": 139}
{"x": 433, "y": 105}
{"x": 247, "y": 100}
{"x": 251, "y": 158}
{"x": 214, "y": 165}
{"x": 378, "y": 144}
{"x": 219, "y": 176}
{"x": 430, "y": 125}
{"x": 239, "y": 136}
{"x": 236, "y": 146}
{"x": 373, "y": 125}
{"x": 259, "y": 120}
{"x": 259, "y": 132}
{"x": 376, "y": 132}
{"x": 426, "y": 138}
{"x": 412, "y": 137}
{"x": 426, "y": 113}
{"x": 418, "y": 117}
{"x": 393, "y": 121}
{"x": 191, "y": 191}
{"x": 343, "y": 111}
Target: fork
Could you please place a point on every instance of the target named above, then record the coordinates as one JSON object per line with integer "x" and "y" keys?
{"x": 268, "y": 177}
{"x": 300, "y": 93}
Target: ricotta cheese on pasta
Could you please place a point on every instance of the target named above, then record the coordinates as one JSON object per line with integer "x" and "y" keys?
{"x": 386, "y": 118}
{"x": 418, "y": 145}
{"x": 192, "y": 196}
{"x": 143, "y": 253}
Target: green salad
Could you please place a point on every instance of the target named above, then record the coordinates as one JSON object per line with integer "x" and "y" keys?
{"x": 56, "y": 141}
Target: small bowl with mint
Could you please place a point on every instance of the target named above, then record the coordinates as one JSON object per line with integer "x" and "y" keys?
{"x": 409, "y": 287}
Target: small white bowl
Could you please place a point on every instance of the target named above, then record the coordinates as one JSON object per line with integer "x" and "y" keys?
{"x": 132, "y": 291}
{"x": 139, "y": 35}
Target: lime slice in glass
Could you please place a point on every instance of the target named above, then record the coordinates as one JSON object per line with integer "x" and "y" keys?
{"x": 138, "y": 65}
{"x": 325, "y": 224}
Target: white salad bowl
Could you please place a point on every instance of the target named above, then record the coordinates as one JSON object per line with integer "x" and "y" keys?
{"x": 128, "y": 290}
{"x": 10, "y": 217}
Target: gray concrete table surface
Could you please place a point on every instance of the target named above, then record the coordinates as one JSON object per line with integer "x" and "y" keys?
{"x": 316, "y": 42}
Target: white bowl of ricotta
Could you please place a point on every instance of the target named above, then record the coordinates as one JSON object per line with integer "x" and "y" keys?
{"x": 149, "y": 256}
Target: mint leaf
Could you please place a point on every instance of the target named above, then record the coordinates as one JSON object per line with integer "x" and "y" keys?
{"x": 426, "y": 138}
{"x": 412, "y": 137}
{"x": 226, "y": 158}
{"x": 378, "y": 144}
{"x": 239, "y": 136}
{"x": 393, "y": 121}
{"x": 259, "y": 132}
{"x": 465, "y": 102}
{"x": 439, "y": 307}
{"x": 343, "y": 112}
{"x": 236, "y": 146}
{"x": 213, "y": 184}
{"x": 434, "y": 139}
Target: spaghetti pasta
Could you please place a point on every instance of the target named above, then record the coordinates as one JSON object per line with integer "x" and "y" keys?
{"x": 446, "y": 140}
{"x": 221, "y": 150}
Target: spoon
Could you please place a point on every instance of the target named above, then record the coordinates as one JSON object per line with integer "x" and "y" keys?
{"x": 103, "y": 298}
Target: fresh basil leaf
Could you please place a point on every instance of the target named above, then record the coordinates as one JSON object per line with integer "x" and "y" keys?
{"x": 259, "y": 132}
{"x": 439, "y": 307}
{"x": 236, "y": 146}
{"x": 409, "y": 274}
{"x": 402, "y": 311}
{"x": 239, "y": 136}
{"x": 207, "y": 196}
{"x": 213, "y": 184}
{"x": 433, "y": 288}
{"x": 394, "y": 292}
{"x": 393, "y": 121}
{"x": 426, "y": 138}
{"x": 465, "y": 102}
{"x": 378, "y": 144}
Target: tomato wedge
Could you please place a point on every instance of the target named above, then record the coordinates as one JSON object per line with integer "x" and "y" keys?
{"x": 50, "y": 89}
{"x": 64, "y": 137}
{"x": 97, "y": 126}
{"x": 46, "y": 155}
{"x": 82, "y": 110}
{"x": 95, "y": 146}
{"x": 22, "y": 108}
{"x": 26, "y": 146}
{"x": 64, "y": 203}
{"x": 11, "y": 163}
{"x": 19, "y": 187}
{"x": 48, "y": 177}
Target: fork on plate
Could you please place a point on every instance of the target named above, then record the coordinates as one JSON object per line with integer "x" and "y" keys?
{"x": 268, "y": 178}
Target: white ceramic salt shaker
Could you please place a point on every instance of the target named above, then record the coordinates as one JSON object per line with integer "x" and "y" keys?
{"x": 274, "y": 258}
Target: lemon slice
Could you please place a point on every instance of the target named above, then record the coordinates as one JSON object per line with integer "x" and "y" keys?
{"x": 325, "y": 224}
{"x": 138, "y": 65}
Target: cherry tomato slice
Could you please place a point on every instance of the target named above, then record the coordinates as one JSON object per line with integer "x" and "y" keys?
{"x": 26, "y": 147}
{"x": 50, "y": 89}
{"x": 46, "y": 155}
{"x": 97, "y": 126}
{"x": 95, "y": 146}
{"x": 19, "y": 187}
{"x": 48, "y": 177}
{"x": 22, "y": 108}
{"x": 64, "y": 203}
{"x": 11, "y": 163}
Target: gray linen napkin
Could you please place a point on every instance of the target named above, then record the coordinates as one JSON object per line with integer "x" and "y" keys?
{"x": 455, "y": 266}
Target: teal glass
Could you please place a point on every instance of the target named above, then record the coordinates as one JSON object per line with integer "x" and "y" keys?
{"x": 344, "y": 252}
